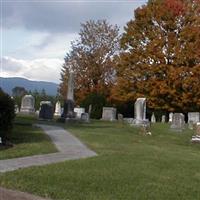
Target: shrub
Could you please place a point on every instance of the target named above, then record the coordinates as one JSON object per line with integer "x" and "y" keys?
{"x": 7, "y": 115}
{"x": 97, "y": 101}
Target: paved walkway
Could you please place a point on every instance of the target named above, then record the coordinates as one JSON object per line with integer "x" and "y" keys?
{"x": 69, "y": 148}
{"x": 6, "y": 194}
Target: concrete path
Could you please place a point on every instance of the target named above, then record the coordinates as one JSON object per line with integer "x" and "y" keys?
{"x": 6, "y": 194}
{"x": 69, "y": 147}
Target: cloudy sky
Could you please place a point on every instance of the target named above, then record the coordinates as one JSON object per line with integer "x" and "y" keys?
{"x": 36, "y": 34}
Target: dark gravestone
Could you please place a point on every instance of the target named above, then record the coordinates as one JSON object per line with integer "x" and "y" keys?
{"x": 85, "y": 117}
{"x": 68, "y": 111}
{"x": 46, "y": 111}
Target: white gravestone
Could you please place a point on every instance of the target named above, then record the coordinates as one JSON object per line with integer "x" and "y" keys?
{"x": 163, "y": 120}
{"x": 79, "y": 112}
{"x": 170, "y": 117}
{"x": 109, "y": 113}
{"x": 27, "y": 105}
{"x": 193, "y": 118}
{"x": 58, "y": 109}
{"x": 196, "y": 138}
{"x": 16, "y": 109}
{"x": 153, "y": 118}
{"x": 178, "y": 122}
{"x": 140, "y": 111}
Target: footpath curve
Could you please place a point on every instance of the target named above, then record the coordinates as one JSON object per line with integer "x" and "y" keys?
{"x": 69, "y": 148}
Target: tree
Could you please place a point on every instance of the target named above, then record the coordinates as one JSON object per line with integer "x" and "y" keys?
{"x": 7, "y": 115}
{"x": 161, "y": 56}
{"x": 91, "y": 59}
{"x": 18, "y": 91}
{"x": 97, "y": 101}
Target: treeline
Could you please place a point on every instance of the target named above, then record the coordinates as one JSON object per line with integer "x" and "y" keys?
{"x": 157, "y": 56}
{"x": 19, "y": 92}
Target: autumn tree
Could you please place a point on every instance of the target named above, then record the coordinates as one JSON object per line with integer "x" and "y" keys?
{"x": 161, "y": 56}
{"x": 91, "y": 59}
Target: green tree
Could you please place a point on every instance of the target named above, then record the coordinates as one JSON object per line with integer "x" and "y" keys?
{"x": 18, "y": 91}
{"x": 161, "y": 56}
{"x": 97, "y": 101}
{"x": 7, "y": 115}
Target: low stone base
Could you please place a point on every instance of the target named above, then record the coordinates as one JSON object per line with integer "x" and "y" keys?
{"x": 27, "y": 111}
{"x": 137, "y": 122}
{"x": 195, "y": 139}
{"x": 176, "y": 129}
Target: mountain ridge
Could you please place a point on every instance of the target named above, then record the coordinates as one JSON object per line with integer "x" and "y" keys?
{"x": 8, "y": 83}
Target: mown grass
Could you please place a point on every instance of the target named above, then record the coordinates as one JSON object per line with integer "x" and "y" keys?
{"x": 27, "y": 140}
{"x": 128, "y": 166}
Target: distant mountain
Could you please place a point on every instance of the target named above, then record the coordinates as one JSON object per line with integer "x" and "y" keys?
{"x": 7, "y": 84}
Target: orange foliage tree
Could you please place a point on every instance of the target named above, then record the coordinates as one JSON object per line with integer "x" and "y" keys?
{"x": 161, "y": 56}
{"x": 91, "y": 60}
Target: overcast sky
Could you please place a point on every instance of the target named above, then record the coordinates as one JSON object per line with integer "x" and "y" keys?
{"x": 36, "y": 34}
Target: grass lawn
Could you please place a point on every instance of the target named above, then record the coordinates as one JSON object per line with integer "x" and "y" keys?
{"x": 128, "y": 166}
{"x": 27, "y": 139}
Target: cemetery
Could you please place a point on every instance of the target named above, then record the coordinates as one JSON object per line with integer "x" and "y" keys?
{"x": 144, "y": 153}
{"x": 123, "y": 122}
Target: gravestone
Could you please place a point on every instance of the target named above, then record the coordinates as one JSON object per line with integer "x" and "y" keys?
{"x": 90, "y": 110}
{"x": 163, "y": 119}
{"x": 178, "y": 122}
{"x": 193, "y": 118}
{"x": 140, "y": 112}
{"x": 79, "y": 112}
{"x": 46, "y": 110}
{"x": 69, "y": 103}
{"x": 57, "y": 109}
{"x": 198, "y": 128}
{"x": 109, "y": 113}
{"x": 153, "y": 118}
{"x": 27, "y": 105}
{"x": 196, "y": 137}
{"x": 170, "y": 117}
{"x": 16, "y": 109}
{"x": 37, "y": 112}
{"x": 129, "y": 120}
{"x": 120, "y": 117}
{"x": 85, "y": 117}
